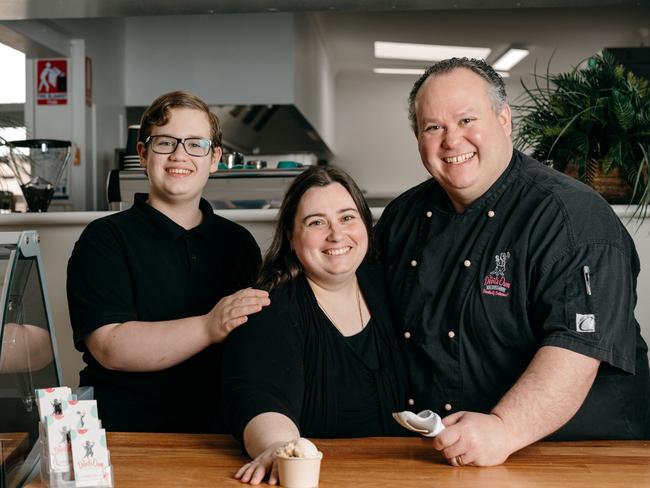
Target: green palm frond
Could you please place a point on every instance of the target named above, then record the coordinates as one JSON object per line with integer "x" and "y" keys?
{"x": 613, "y": 158}
{"x": 621, "y": 107}
{"x": 591, "y": 170}
{"x": 641, "y": 185}
{"x": 642, "y": 116}
{"x": 598, "y": 113}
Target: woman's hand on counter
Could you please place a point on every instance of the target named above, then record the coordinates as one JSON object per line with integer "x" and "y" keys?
{"x": 255, "y": 471}
{"x": 232, "y": 311}
{"x": 262, "y": 437}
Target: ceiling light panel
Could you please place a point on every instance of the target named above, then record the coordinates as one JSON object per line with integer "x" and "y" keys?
{"x": 417, "y": 72}
{"x": 509, "y": 59}
{"x": 427, "y": 52}
{"x": 399, "y": 71}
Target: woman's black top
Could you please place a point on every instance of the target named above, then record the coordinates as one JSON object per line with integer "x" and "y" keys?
{"x": 289, "y": 358}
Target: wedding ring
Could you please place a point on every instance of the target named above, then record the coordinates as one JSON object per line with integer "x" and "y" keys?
{"x": 459, "y": 460}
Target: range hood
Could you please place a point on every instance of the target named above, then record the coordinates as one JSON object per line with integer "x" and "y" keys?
{"x": 268, "y": 129}
{"x": 262, "y": 129}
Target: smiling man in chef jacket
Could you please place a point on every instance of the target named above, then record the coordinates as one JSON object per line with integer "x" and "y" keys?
{"x": 513, "y": 284}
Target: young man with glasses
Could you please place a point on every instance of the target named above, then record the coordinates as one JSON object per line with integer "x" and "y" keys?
{"x": 152, "y": 291}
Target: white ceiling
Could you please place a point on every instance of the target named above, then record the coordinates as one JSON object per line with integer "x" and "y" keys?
{"x": 49, "y": 9}
{"x": 568, "y": 35}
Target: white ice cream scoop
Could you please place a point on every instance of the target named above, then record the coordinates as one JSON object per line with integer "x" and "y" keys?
{"x": 298, "y": 448}
{"x": 427, "y": 422}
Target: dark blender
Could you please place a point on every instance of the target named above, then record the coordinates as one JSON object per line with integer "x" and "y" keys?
{"x": 38, "y": 165}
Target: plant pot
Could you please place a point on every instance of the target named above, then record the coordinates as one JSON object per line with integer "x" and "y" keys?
{"x": 612, "y": 186}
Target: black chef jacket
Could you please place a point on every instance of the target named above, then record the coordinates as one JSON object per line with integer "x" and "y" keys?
{"x": 539, "y": 260}
{"x": 140, "y": 265}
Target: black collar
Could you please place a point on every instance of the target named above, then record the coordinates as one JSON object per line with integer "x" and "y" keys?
{"x": 166, "y": 226}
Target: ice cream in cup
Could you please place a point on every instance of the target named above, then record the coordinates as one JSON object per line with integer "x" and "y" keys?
{"x": 298, "y": 464}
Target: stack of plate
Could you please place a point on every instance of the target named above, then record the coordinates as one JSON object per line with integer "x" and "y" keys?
{"x": 131, "y": 158}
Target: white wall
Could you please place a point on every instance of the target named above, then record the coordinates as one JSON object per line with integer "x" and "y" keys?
{"x": 104, "y": 39}
{"x": 374, "y": 141}
{"x": 225, "y": 59}
{"x": 314, "y": 79}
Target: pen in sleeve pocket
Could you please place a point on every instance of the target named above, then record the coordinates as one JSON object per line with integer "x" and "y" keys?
{"x": 585, "y": 272}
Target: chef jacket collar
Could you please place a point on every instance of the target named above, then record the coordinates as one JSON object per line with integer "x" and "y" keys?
{"x": 167, "y": 227}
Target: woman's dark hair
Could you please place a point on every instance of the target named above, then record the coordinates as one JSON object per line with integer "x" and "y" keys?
{"x": 280, "y": 262}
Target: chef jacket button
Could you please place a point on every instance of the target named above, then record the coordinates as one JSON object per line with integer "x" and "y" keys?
{"x": 407, "y": 335}
{"x": 411, "y": 401}
{"x": 451, "y": 334}
{"x": 448, "y": 406}
{"x": 490, "y": 213}
{"x": 429, "y": 214}
{"x": 467, "y": 263}
{"x": 414, "y": 263}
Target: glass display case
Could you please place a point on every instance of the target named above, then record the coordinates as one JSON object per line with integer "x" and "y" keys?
{"x": 27, "y": 353}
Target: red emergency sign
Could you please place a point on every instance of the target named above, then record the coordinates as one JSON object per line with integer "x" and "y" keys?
{"x": 52, "y": 81}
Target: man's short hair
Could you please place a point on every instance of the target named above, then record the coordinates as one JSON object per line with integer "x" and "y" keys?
{"x": 157, "y": 114}
{"x": 496, "y": 87}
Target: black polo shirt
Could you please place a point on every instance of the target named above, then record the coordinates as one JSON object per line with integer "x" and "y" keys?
{"x": 476, "y": 294}
{"x": 140, "y": 265}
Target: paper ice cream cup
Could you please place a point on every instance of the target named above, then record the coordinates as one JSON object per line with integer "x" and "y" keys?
{"x": 298, "y": 472}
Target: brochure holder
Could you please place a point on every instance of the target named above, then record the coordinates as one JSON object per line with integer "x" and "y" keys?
{"x": 65, "y": 480}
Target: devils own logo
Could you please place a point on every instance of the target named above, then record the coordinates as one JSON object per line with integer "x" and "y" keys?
{"x": 495, "y": 282}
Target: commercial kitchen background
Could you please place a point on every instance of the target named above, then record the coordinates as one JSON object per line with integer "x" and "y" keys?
{"x": 321, "y": 62}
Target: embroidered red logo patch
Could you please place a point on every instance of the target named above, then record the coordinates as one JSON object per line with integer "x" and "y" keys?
{"x": 495, "y": 283}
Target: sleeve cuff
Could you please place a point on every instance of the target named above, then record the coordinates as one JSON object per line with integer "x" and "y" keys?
{"x": 565, "y": 341}
{"x": 249, "y": 407}
{"x": 80, "y": 337}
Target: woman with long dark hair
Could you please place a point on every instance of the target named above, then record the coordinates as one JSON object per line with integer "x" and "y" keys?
{"x": 322, "y": 360}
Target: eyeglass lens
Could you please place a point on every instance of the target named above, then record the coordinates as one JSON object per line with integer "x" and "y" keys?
{"x": 194, "y": 146}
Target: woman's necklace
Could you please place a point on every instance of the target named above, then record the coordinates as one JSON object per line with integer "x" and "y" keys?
{"x": 358, "y": 307}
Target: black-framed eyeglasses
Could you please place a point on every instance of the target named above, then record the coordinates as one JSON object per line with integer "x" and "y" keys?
{"x": 194, "y": 146}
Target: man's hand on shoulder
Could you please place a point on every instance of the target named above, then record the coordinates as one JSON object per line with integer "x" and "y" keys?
{"x": 472, "y": 438}
{"x": 232, "y": 311}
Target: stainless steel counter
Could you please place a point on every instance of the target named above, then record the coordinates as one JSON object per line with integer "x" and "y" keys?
{"x": 225, "y": 189}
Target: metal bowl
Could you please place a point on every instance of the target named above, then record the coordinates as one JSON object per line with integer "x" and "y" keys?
{"x": 255, "y": 164}
{"x": 232, "y": 159}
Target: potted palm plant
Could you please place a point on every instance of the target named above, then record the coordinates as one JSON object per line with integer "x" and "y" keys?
{"x": 594, "y": 123}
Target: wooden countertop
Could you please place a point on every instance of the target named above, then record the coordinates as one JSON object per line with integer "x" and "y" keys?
{"x": 13, "y": 447}
{"x": 179, "y": 460}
